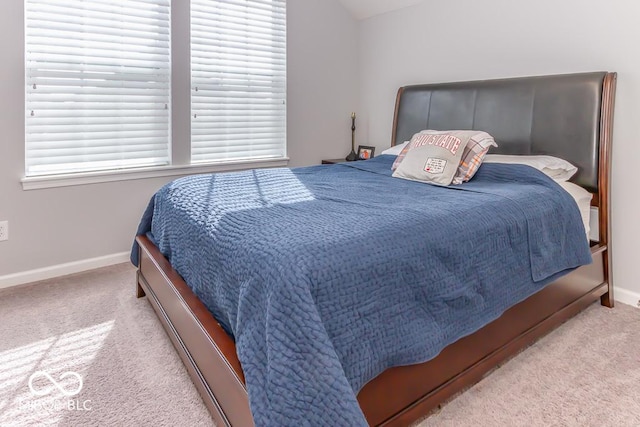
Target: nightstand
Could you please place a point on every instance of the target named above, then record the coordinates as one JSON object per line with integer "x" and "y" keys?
{"x": 332, "y": 161}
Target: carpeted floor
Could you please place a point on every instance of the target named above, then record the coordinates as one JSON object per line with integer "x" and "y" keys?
{"x": 586, "y": 373}
{"x": 92, "y": 324}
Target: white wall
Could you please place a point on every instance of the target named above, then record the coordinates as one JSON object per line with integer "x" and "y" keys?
{"x": 61, "y": 225}
{"x": 451, "y": 40}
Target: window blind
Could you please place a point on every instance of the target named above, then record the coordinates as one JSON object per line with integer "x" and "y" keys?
{"x": 97, "y": 85}
{"x": 238, "y": 78}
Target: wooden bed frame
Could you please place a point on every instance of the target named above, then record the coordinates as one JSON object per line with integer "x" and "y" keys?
{"x": 399, "y": 395}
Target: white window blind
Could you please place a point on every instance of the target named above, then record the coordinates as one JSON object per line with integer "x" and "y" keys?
{"x": 238, "y": 78}
{"x": 97, "y": 85}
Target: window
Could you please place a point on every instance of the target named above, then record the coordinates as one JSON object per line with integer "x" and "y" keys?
{"x": 99, "y": 84}
{"x": 238, "y": 79}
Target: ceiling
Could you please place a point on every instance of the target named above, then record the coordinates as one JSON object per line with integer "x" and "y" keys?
{"x": 362, "y": 9}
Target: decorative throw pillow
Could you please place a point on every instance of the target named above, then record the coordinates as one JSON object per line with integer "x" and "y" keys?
{"x": 433, "y": 157}
{"x": 472, "y": 157}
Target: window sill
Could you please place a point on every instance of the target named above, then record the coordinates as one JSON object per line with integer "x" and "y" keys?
{"x": 52, "y": 181}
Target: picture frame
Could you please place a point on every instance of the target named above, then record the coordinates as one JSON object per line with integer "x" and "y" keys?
{"x": 365, "y": 152}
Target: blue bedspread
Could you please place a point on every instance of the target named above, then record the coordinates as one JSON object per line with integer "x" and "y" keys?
{"x": 327, "y": 275}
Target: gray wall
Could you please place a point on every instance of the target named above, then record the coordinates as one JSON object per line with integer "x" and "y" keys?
{"x": 467, "y": 39}
{"x": 60, "y": 225}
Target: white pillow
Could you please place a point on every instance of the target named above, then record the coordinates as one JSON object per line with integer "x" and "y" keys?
{"x": 396, "y": 149}
{"x": 583, "y": 200}
{"x": 557, "y": 169}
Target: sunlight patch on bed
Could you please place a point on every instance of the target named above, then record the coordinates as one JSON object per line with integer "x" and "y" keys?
{"x": 241, "y": 191}
{"x": 27, "y": 394}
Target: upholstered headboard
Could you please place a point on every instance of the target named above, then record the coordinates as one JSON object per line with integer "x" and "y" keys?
{"x": 559, "y": 115}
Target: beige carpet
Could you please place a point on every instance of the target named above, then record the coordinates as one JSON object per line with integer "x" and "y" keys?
{"x": 92, "y": 324}
{"x": 586, "y": 373}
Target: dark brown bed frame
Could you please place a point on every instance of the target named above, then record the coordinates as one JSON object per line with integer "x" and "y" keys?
{"x": 401, "y": 395}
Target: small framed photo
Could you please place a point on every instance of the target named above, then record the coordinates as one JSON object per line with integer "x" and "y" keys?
{"x": 365, "y": 152}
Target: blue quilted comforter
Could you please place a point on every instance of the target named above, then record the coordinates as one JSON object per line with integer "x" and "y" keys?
{"x": 327, "y": 275}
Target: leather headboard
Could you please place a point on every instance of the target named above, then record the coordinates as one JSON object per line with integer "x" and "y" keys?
{"x": 556, "y": 115}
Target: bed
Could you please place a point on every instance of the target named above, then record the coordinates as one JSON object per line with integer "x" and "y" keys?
{"x": 568, "y": 116}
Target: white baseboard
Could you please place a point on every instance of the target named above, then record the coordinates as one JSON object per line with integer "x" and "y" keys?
{"x": 626, "y": 297}
{"x": 61, "y": 270}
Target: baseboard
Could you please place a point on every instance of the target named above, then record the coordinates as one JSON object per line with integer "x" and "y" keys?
{"x": 61, "y": 270}
{"x": 626, "y": 297}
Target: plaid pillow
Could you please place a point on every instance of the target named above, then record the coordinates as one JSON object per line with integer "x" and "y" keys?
{"x": 472, "y": 157}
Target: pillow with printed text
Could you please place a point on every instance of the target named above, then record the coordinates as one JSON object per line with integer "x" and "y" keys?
{"x": 434, "y": 156}
{"x": 472, "y": 156}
